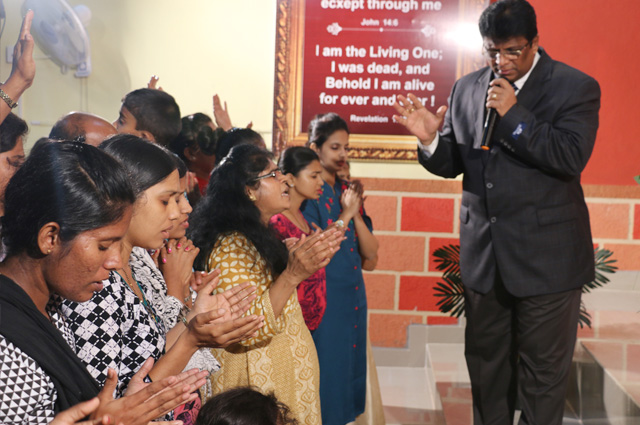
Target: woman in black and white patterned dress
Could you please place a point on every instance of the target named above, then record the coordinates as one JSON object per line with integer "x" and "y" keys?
{"x": 120, "y": 327}
{"x": 66, "y": 211}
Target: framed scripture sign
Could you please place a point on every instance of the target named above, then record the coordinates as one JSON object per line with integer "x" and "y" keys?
{"x": 353, "y": 57}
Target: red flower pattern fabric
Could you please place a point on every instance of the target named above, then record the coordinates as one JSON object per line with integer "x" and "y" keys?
{"x": 188, "y": 412}
{"x": 312, "y": 293}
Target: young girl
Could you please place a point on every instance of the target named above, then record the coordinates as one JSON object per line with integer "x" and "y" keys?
{"x": 341, "y": 338}
{"x": 302, "y": 167}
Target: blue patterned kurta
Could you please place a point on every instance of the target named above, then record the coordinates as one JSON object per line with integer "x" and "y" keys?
{"x": 341, "y": 337}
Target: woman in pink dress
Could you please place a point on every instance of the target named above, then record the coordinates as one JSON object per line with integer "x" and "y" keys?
{"x": 303, "y": 170}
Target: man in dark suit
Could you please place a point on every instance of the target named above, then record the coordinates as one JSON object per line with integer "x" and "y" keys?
{"x": 525, "y": 238}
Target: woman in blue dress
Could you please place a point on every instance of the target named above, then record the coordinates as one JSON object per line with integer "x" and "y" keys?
{"x": 341, "y": 337}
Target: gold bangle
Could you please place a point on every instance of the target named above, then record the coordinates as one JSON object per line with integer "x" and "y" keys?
{"x": 8, "y": 99}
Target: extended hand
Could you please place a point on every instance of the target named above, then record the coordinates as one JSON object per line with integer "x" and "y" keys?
{"x": 309, "y": 254}
{"x": 80, "y": 411}
{"x": 199, "y": 280}
{"x": 207, "y": 300}
{"x": 357, "y": 186}
{"x": 208, "y": 331}
{"x": 153, "y": 83}
{"x": 351, "y": 201}
{"x": 24, "y": 67}
{"x": 417, "y": 119}
{"x": 192, "y": 181}
{"x": 176, "y": 265}
{"x": 218, "y": 320}
{"x": 152, "y": 401}
{"x": 239, "y": 298}
{"x": 221, "y": 114}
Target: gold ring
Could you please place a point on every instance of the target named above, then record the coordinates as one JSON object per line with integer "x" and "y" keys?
{"x": 410, "y": 110}
{"x": 494, "y": 96}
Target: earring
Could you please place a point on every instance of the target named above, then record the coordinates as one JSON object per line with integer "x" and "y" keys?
{"x": 252, "y": 198}
{"x": 291, "y": 185}
{"x": 48, "y": 251}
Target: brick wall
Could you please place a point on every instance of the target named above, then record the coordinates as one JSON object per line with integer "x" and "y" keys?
{"x": 412, "y": 218}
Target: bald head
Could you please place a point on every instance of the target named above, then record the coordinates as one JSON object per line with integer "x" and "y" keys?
{"x": 74, "y": 125}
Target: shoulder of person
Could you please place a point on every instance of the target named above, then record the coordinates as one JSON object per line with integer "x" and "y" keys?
{"x": 309, "y": 204}
{"x": 232, "y": 242}
{"x": 281, "y": 225}
{"x": 564, "y": 73}
{"x": 278, "y": 219}
{"x": 573, "y": 75}
{"x": 473, "y": 76}
{"x": 465, "y": 86}
{"x": 111, "y": 298}
{"x": 141, "y": 254}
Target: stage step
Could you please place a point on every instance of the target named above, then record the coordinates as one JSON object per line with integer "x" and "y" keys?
{"x": 595, "y": 396}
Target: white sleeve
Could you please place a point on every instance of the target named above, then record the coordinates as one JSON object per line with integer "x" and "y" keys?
{"x": 431, "y": 148}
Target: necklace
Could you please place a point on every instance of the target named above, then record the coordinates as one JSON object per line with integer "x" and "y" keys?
{"x": 145, "y": 303}
{"x": 299, "y": 224}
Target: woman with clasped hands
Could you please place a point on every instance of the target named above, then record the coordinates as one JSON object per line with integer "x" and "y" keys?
{"x": 66, "y": 211}
{"x": 230, "y": 225}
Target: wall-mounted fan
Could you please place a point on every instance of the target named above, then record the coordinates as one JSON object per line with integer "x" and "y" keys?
{"x": 59, "y": 32}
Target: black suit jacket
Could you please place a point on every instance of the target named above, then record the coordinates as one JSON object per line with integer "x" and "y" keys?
{"x": 523, "y": 211}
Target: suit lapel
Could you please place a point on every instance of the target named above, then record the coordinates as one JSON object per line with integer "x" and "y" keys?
{"x": 532, "y": 92}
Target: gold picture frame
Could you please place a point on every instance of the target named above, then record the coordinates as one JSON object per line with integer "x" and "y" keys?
{"x": 288, "y": 130}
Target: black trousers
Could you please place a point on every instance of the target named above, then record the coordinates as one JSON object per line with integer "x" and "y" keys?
{"x": 519, "y": 346}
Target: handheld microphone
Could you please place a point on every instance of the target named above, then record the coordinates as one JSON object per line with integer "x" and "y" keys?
{"x": 489, "y": 125}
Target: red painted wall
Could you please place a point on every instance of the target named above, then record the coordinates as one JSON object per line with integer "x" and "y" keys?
{"x": 602, "y": 39}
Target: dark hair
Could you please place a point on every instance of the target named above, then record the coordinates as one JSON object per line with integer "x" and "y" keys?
{"x": 296, "y": 158}
{"x": 146, "y": 163}
{"x": 196, "y": 134}
{"x": 69, "y": 183}
{"x": 226, "y": 207}
{"x": 234, "y": 137}
{"x": 155, "y": 111}
{"x": 12, "y": 128}
{"x": 244, "y": 406}
{"x": 180, "y": 165}
{"x": 42, "y": 141}
{"x": 506, "y": 19}
{"x": 322, "y": 126}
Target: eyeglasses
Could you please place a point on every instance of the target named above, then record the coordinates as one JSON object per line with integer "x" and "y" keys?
{"x": 509, "y": 54}
{"x": 273, "y": 174}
